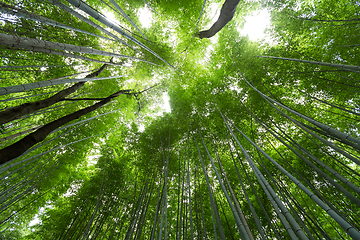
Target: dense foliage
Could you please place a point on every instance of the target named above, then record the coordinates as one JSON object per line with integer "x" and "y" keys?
{"x": 262, "y": 141}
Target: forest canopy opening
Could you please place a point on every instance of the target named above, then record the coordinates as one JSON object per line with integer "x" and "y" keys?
{"x": 255, "y": 25}
{"x": 166, "y": 105}
{"x": 145, "y": 17}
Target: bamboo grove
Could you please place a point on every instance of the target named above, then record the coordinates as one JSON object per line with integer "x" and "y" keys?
{"x": 262, "y": 141}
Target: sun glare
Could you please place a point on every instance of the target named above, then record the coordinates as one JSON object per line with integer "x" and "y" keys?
{"x": 166, "y": 104}
{"x": 255, "y": 25}
{"x": 145, "y": 17}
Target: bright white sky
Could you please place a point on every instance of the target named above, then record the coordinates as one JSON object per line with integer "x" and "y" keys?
{"x": 255, "y": 25}
{"x": 166, "y": 100}
{"x": 145, "y": 17}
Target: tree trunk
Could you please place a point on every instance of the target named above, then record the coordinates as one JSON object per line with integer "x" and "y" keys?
{"x": 226, "y": 14}
{"x": 70, "y": 55}
{"x": 27, "y": 142}
{"x": 343, "y": 108}
{"x": 137, "y": 210}
{"x": 37, "y": 66}
{"x": 178, "y": 203}
{"x": 166, "y": 195}
{"x": 98, "y": 202}
{"x": 27, "y": 108}
{"x": 326, "y": 142}
{"x": 143, "y": 215}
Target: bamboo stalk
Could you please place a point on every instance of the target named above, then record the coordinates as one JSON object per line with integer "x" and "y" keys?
{"x": 339, "y": 66}
{"x": 31, "y": 16}
{"x": 349, "y": 229}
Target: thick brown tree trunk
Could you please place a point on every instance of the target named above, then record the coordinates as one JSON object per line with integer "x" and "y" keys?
{"x": 226, "y": 14}
{"x": 30, "y": 140}
{"x": 13, "y": 113}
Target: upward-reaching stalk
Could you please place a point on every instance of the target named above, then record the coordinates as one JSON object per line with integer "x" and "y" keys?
{"x": 328, "y": 143}
{"x": 202, "y": 211}
{"x": 91, "y": 23}
{"x": 328, "y": 129}
{"x": 4, "y": 8}
{"x": 338, "y": 66}
{"x": 241, "y": 215}
{"x": 257, "y": 221}
{"x": 295, "y": 227}
{"x": 240, "y": 226}
{"x": 152, "y": 236}
{"x": 212, "y": 203}
{"x": 101, "y": 192}
{"x": 126, "y": 16}
{"x": 313, "y": 166}
{"x": 189, "y": 189}
{"x": 86, "y": 8}
{"x": 182, "y": 199}
{"x": 349, "y": 229}
{"x": 166, "y": 187}
{"x": 37, "y": 45}
{"x": 29, "y": 86}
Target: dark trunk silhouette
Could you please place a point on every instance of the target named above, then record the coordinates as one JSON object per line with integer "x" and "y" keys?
{"x": 39, "y": 135}
{"x": 13, "y": 113}
{"x": 226, "y": 14}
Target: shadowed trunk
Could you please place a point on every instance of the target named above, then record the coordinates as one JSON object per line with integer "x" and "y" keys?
{"x": 226, "y": 14}
{"x": 13, "y": 113}
{"x": 18, "y": 148}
